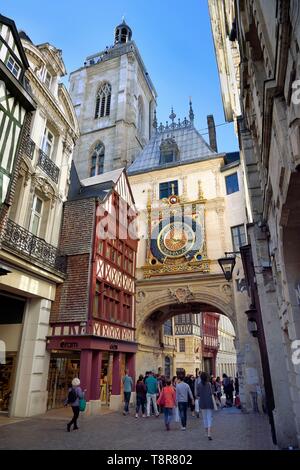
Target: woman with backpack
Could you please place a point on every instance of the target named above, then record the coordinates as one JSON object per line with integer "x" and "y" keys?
{"x": 74, "y": 396}
{"x": 205, "y": 396}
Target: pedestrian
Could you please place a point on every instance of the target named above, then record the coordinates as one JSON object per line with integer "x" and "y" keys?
{"x": 151, "y": 385}
{"x": 141, "y": 391}
{"x": 190, "y": 380}
{"x": 206, "y": 405}
{"x": 228, "y": 390}
{"x": 218, "y": 386}
{"x": 174, "y": 381}
{"x": 237, "y": 385}
{"x": 167, "y": 400}
{"x": 127, "y": 387}
{"x": 183, "y": 393}
{"x": 74, "y": 395}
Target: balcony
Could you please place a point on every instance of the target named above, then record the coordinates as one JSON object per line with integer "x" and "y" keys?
{"x": 169, "y": 341}
{"x": 32, "y": 248}
{"x": 48, "y": 166}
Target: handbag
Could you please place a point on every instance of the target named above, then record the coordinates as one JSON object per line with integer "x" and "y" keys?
{"x": 82, "y": 404}
{"x": 214, "y": 402}
{"x": 197, "y": 408}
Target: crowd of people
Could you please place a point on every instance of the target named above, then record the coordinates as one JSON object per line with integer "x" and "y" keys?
{"x": 157, "y": 394}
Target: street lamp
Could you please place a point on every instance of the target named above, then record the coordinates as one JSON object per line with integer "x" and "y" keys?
{"x": 227, "y": 265}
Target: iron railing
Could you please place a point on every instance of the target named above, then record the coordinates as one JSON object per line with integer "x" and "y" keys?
{"x": 48, "y": 166}
{"x": 20, "y": 240}
{"x": 29, "y": 147}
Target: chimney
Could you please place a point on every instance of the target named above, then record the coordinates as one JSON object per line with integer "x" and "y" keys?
{"x": 212, "y": 132}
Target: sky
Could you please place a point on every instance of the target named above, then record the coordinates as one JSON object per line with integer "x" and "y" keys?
{"x": 173, "y": 36}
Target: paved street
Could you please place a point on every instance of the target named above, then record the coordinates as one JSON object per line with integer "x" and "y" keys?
{"x": 233, "y": 430}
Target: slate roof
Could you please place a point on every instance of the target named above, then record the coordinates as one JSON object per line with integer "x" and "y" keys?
{"x": 98, "y": 186}
{"x": 192, "y": 148}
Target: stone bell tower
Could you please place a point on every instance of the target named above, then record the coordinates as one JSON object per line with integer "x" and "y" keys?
{"x": 115, "y": 100}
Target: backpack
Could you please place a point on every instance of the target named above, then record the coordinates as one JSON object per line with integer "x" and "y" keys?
{"x": 72, "y": 395}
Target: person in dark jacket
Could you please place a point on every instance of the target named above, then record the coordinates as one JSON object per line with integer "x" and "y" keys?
{"x": 206, "y": 405}
{"x": 141, "y": 391}
{"x": 78, "y": 394}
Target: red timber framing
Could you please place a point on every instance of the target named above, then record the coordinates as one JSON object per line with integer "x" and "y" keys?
{"x": 210, "y": 343}
{"x": 109, "y": 329}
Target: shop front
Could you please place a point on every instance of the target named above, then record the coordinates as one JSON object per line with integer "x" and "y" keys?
{"x": 99, "y": 362}
{"x": 11, "y": 325}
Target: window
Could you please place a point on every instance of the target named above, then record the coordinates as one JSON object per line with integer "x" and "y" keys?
{"x": 13, "y": 66}
{"x": 168, "y": 189}
{"x": 97, "y": 164}
{"x": 103, "y": 100}
{"x": 238, "y": 237}
{"x": 167, "y": 367}
{"x": 169, "y": 151}
{"x": 168, "y": 330}
{"x": 48, "y": 79}
{"x": 232, "y": 183}
{"x": 48, "y": 143}
{"x": 36, "y": 215}
{"x": 181, "y": 345}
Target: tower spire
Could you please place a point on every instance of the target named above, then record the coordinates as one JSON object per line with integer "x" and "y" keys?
{"x": 154, "y": 124}
{"x": 191, "y": 113}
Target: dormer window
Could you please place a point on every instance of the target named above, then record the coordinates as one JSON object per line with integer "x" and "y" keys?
{"x": 13, "y": 66}
{"x": 169, "y": 151}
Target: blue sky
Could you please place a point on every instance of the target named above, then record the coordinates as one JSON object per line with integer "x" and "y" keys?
{"x": 173, "y": 36}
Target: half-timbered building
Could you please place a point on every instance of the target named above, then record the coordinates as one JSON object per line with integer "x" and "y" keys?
{"x": 16, "y": 105}
{"x": 93, "y": 318}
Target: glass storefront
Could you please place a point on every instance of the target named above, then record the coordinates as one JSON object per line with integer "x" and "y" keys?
{"x": 63, "y": 368}
{"x": 106, "y": 377}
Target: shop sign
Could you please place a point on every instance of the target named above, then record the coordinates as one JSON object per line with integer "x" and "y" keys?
{"x": 68, "y": 345}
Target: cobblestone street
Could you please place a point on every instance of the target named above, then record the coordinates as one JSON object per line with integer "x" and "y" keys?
{"x": 232, "y": 430}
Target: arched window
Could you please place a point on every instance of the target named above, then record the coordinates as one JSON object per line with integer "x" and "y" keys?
{"x": 97, "y": 164}
{"x": 103, "y": 100}
{"x": 140, "y": 116}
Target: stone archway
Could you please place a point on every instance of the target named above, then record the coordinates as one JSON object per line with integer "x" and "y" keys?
{"x": 159, "y": 299}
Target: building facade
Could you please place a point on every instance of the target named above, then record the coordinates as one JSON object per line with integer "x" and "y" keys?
{"x": 267, "y": 36}
{"x": 115, "y": 101}
{"x": 31, "y": 235}
{"x": 226, "y": 357}
{"x": 93, "y": 318}
{"x": 187, "y": 333}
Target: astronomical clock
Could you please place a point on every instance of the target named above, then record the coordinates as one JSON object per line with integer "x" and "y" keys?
{"x": 176, "y": 237}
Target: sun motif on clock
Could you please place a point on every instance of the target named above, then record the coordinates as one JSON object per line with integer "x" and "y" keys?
{"x": 175, "y": 238}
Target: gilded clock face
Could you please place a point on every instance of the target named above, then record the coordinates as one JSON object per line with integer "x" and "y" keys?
{"x": 175, "y": 238}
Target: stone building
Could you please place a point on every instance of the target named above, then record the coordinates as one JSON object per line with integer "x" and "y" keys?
{"x": 114, "y": 100}
{"x": 31, "y": 235}
{"x": 188, "y": 346}
{"x": 265, "y": 38}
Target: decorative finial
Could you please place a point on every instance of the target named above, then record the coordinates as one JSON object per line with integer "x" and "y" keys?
{"x": 191, "y": 113}
{"x": 155, "y": 121}
{"x": 123, "y": 19}
{"x": 172, "y": 115}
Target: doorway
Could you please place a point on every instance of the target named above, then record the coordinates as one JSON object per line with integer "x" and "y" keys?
{"x": 63, "y": 368}
{"x": 7, "y": 372}
{"x": 106, "y": 377}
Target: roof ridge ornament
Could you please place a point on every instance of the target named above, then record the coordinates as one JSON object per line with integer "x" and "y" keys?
{"x": 154, "y": 124}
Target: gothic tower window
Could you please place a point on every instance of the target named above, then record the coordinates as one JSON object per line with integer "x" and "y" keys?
{"x": 103, "y": 100}
{"x": 140, "y": 116}
{"x": 97, "y": 164}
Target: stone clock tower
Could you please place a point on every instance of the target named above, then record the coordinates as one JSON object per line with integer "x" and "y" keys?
{"x": 114, "y": 100}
